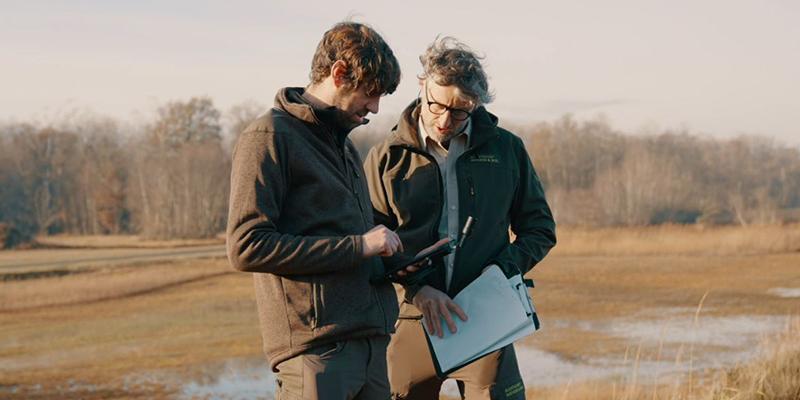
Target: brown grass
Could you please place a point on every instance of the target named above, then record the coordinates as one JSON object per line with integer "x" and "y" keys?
{"x": 99, "y": 334}
{"x": 22, "y": 262}
{"x": 118, "y": 242}
{"x": 101, "y": 327}
{"x": 775, "y": 375}
{"x": 679, "y": 240}
{"x": 104, "y": 284}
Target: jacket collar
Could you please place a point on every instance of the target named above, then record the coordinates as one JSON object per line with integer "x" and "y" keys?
{"x": 291, "y": 100}
{"x": 406, "y": 132}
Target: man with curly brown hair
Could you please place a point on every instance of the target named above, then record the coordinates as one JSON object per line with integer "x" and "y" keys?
{"x": 448, "y": 160}
{"x": 301, "y": 221}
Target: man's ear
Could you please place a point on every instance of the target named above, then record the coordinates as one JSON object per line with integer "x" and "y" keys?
{"x": 339, "y": 73}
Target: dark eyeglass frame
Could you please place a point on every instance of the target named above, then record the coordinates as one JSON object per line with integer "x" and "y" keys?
{"x": 456, "y": 114}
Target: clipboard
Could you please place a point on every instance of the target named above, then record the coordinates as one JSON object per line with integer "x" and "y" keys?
{"x": 511, "y": 314}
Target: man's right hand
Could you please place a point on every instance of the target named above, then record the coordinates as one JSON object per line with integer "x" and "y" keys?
{"x": 381, "y": 241}
{"x": 436, "y": 305}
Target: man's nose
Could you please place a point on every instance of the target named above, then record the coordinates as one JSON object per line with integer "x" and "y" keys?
{"x": 374, "y": 105}
{"x": 445, "y": 119}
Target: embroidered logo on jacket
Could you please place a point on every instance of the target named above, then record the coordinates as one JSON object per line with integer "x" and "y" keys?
{"x": 487, "y": 158}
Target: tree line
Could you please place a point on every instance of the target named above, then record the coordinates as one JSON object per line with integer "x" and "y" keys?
{"x": 597, "y": 176}
{"x": 169, "y": 177}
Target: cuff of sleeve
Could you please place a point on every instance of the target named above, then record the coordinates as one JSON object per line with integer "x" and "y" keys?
{"x": 410, "y": 292}
{"x": 358, "y": 249}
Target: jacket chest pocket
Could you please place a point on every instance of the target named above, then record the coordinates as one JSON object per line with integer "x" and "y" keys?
{"x": 493, "y": 187}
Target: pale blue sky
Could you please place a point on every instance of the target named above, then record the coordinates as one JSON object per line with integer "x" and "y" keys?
{"x": 717, "y": 67}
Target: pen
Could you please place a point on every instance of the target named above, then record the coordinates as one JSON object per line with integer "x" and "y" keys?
{"x": 466, "y": 230}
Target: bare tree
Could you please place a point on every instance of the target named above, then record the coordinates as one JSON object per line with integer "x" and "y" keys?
{"x": 180, "y": 177}
{"x": 238, "y": 117}
{"x": 84, "y": 176}
{"x": 193, "y": 121}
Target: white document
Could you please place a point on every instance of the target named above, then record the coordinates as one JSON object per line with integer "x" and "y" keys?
{"x": 499, "y": 312}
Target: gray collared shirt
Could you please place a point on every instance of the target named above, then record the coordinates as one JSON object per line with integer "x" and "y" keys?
{"x": 446, "y": 158}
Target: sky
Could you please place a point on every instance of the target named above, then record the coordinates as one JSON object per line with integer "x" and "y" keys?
{"x": 722, "y": 68}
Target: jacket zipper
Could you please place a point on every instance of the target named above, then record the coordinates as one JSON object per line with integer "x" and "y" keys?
{"x": 355, "y": 183}
{"x": 352, "y": 184}
{"x": 348, "y": 173}
{"x": 456, "y": 256}
{"x": 471, "y": 194}
{"x": 380, "y": 305}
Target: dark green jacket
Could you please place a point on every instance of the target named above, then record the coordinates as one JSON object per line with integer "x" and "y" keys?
{"x": 497, "y": 186}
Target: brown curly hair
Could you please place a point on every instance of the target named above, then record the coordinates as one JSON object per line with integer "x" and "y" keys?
{"x": 371, "y": 64}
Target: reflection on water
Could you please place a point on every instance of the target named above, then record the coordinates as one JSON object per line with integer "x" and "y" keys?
{"x": 785, "y": 292}
{"x": 735, "y": 332}
{"x": 244, "y": 379}
{"x": 711, "y": 342}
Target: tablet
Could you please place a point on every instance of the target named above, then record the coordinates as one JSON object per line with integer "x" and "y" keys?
{"x": 425, "y": 257}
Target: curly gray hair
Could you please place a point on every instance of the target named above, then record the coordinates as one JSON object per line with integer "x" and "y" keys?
{"x": 450, "y": 62}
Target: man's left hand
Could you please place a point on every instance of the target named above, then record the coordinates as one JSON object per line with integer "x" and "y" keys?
{"x": 416, "y": 267}
{"x": 436, "y": 305}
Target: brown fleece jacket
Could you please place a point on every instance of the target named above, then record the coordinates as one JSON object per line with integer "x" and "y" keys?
{"x": 298, "y": 207}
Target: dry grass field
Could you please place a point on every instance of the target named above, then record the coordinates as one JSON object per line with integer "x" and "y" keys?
{"x": 616, "y": 305}
{"x": 118, "y": 242}
{"x": 64, "y": 254}
{"x": 773, "y": 374}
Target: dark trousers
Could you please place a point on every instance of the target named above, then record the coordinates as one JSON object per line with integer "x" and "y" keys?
{"x": 412, "y": 374}
{"x": 348, "y": 370}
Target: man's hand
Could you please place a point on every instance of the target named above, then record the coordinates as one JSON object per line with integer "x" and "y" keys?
{"x": 414, "y": 268}
{"x": 434, "y": 305}
{"x": 381, "y": 241}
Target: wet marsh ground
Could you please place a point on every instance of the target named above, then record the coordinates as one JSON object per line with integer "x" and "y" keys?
{"x": 641, "y": 306}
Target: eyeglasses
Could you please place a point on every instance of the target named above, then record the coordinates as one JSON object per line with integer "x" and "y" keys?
{"x": 456, "y": 114}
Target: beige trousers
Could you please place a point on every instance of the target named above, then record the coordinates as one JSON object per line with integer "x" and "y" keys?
{"x": 412, "y": 374}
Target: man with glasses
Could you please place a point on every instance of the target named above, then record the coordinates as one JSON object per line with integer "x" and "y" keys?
{"x": 446, "y": 161}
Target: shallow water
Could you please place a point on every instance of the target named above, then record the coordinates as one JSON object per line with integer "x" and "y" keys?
{"x": 785, "y": 292}
{"x": 709, "y": 342}
{"x": 712, "y": 342}
{"x": 235, "y": 379}
{"x": 735, "y": 332}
